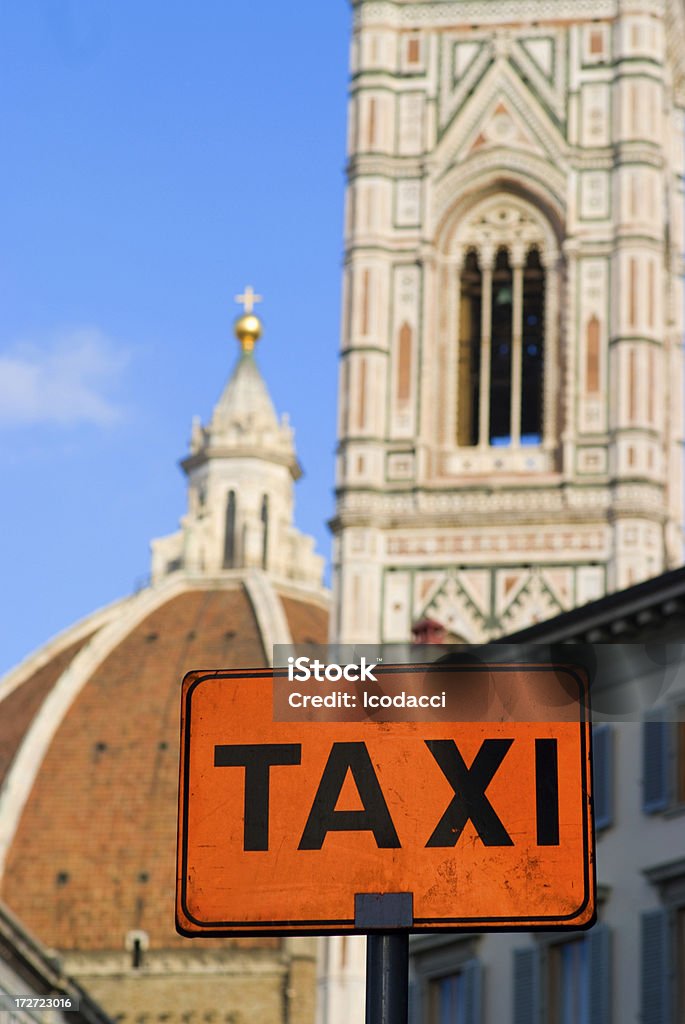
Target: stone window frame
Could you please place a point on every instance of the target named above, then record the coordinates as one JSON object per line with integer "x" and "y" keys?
{"x": 663, "y": 931}
{"x": 435, "y": 957}
{"x": 505, "y": 220}
{"x": 663, "y": 759}
{"x": 532, "y": 968}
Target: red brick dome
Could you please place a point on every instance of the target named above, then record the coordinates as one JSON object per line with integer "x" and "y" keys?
{"x": 89, "y": 734}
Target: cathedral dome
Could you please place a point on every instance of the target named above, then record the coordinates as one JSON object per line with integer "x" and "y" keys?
{"x": 89, "y": 735}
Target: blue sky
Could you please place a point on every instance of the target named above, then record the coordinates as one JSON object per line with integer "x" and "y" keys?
{"x": 158, "y": 156}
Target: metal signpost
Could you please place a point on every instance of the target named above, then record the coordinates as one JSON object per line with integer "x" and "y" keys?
{"x": 434, "y": 797}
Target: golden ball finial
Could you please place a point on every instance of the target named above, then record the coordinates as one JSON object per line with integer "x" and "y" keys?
{"x": 248, "y": 327}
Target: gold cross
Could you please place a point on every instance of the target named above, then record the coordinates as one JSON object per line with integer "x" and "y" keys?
{"x": 248, "y": 299}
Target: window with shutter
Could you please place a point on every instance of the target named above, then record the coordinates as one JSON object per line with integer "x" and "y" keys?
{"x": 656, "y": 789}
{"x": 679, "y": 971}
{"x": 579, "y": 979}
{"x": 680, "y": 755}
{"x": 663, "y": 947}
{"x": 526, "y": 986}
{"x": 655, "y": 968}
{"x": 473, "y": 984}
{"x": 447, "y": 1000}
{"x": 446, "y": 979}
{"x": 455, "y": 998}
{"x": 599, "y": 957}
{"x": 569, "y": 983}
{"x": 603, "y": 774}
{"x": 414, "y": 1007}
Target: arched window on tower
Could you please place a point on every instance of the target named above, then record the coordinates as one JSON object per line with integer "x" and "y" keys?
{"x": 229, "y": 535}
{"x": 532, "y": 349}
{"x": 264, "y": 516}
{"x": 501, "y": 338}
{"x": 469, "y": 351}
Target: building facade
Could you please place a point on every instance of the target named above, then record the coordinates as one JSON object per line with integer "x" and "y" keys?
{"x": 510, "y": 449}
{"x": 511, "y": 367}
{"x": 33, "y": 985}
{"x": 630, "y": 967}
{"x": 510, "y": 403}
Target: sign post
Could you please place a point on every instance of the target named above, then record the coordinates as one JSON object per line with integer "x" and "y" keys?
{"x": 387, "y": 978}
{"x": 387, "y": 954}
{"x": 385, "y": 801}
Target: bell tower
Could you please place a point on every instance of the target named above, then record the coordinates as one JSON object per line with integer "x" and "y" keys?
{"x": 511, "y": 366}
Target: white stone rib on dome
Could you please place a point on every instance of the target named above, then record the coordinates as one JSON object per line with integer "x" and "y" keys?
{"x": 53, "y": 647}
{"x": 19, "y": 781}
{"x": 273, "y": 625}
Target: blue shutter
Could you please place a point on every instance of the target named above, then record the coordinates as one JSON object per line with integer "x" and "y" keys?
{"x": 473, "y": 987}
{"x": 414, "y": 1014}
{"x": 603, "y": 775}
{"x": 655, "y": 959}
{"x": 655, "y": 763}
{"x": 526, "y": 986}
{"x": 599, "y": 955}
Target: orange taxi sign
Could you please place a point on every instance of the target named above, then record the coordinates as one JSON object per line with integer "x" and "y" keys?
{"x": 475, "y": 811}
